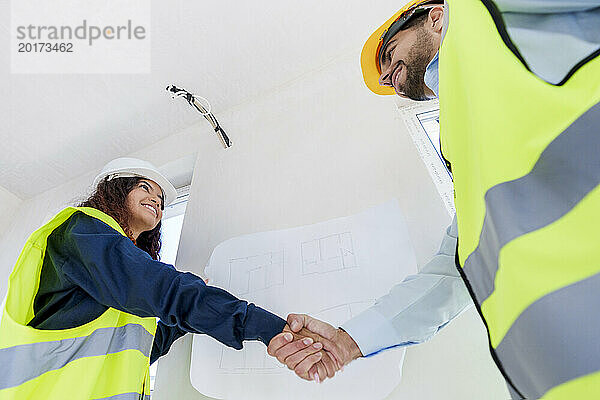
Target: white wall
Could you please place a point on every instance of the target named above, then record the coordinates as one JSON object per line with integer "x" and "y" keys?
{"x": 8, "y": 204}
{"x": 319, "y": 148}
{"x": 168, "y": 154}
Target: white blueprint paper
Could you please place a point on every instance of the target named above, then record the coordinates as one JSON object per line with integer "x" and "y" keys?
{"x": 332, "y": 270}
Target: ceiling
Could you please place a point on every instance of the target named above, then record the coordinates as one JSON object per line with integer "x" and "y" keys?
{"x": 58, "y": 127}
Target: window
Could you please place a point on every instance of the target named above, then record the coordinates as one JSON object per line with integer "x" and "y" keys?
{"x": 423, "y": 124}
{"x": 172, "y": 223}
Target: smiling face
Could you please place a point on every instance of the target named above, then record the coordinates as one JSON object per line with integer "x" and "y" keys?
{"x": 407, "y": 54}
{"x": 145, "y": 204}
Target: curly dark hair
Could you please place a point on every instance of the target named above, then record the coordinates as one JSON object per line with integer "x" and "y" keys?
{"x": 110, "y": 198}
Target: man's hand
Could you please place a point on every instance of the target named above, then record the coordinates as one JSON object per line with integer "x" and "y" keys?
{"x": 337, "y": 345}
{"x": 336, "y": 341}
{"x": 303, "y": 353}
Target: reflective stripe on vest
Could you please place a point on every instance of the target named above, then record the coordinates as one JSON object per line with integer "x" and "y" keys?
{"x": 105, "y": 358}
{"x": 126, "y": 396}
{"x": 567, "y": 170}
{"x": 526, "y": 161}
{"x": 29, "y": 361}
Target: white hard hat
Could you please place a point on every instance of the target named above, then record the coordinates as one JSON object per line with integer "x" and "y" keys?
{"x": 132, "y": 167}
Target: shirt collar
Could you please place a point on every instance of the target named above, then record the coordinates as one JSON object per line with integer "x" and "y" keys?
{"x": 431, "y": 77}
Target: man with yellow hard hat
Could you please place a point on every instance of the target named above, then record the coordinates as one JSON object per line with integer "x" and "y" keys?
{"x": 519, "y": 90}
{"x": 397, "y": 57}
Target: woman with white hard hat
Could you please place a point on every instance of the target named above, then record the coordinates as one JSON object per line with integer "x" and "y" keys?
{"x": 79, "y": 320}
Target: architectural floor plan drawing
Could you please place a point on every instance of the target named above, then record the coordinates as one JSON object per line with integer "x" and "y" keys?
{"x": 329, "y": 253}
{"x": 341, "y": 313}
{"x": 253, "y": 359}
{"x": 332, "y": 270}
{"x": 254, "y": 273}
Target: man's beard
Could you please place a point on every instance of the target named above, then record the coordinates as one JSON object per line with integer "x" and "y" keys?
{"x": 417, "y": 59}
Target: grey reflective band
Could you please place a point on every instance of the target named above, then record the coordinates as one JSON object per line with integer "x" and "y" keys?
{"x": 554, "y": 340}
{"x": 127, "y": 396}
{"x": 28, "y": 361}
{"x": 567, "y": 170}
{"x": 513, "y": 394}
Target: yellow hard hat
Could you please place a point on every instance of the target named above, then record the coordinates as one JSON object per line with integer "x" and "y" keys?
{"x": 369, "y": 57}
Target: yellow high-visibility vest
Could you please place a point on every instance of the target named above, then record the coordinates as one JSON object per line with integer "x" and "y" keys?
{"x": 107, "y": 358}
{"x": 525, "y": 156}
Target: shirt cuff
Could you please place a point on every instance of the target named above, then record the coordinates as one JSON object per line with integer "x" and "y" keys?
{"x": 262, "y": 325}
{"x": 371, "y": 331}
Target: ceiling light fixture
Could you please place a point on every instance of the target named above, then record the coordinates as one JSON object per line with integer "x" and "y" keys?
{"x": 194, "y": 101}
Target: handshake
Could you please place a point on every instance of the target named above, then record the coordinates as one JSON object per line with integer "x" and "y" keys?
{"x": 313, "y": 349}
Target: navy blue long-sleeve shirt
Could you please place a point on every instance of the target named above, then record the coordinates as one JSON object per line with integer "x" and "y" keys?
{"x": 89, "y": 267}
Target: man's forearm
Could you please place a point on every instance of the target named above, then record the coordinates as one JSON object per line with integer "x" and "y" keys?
{"x": 415, "y": 309}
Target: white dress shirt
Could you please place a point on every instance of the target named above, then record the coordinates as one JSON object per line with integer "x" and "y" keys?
{"x": 415, "y": 309}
